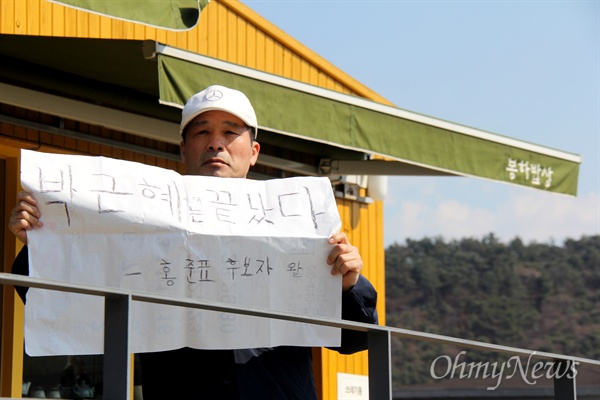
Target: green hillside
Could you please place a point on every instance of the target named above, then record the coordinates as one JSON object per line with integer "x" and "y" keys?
{"x": 544, "y": 297}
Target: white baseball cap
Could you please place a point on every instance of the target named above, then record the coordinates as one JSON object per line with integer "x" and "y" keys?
{"x": 217, "y": 97}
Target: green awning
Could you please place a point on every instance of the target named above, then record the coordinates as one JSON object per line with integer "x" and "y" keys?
{"x": 342, "y": 131}
{"x": 175, "y": 15}
{"x": 299, "y": 110}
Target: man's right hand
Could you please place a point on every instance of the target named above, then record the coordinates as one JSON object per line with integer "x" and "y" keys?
{"x": 25, "y": 216}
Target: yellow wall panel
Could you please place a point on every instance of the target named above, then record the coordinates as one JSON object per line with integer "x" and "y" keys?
{"x": 286, "y": 60}
{"x": 117, "y": 29}
{"x": 224, "y": 28}
{"x": 93, "y": 26}
{"x": 176, "y": 39}
{"x": 7, "y": 20}
{"x": 33, "y": 18}
{"x": 212, "y": 40}
{"x": 379, "y": 248}
{"x": 261, "y": 41}
{"x": 192, "y": 42}
{"x": 20, "y": 16}
{"x": 269, "y": 51}
{"x": 11, "y": 334}
{"x": 139, "y": 32}
{"x": 232, "y": 44}
{"x": 150, "y": 33}
{"x": 46, "y": 13}
{"x": 105, "y": 28}
{"x": 296, "y": 68}
{"x": 161, "y": 36}
{"x": 277, "y": 55}
{"x": 58, "y": 20}
{"x": 83, "y": 25}
{"x": 70, "y": 21}
{"x": 251, "y": 47}
{"x": 240, "y": 39}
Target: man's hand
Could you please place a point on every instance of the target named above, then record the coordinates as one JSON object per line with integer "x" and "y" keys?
{"x": 344, "y": 259}
{"x": 25, "y": 216}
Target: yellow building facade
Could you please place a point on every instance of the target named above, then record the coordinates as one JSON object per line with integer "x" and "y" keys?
{"x": 228, "y": 31}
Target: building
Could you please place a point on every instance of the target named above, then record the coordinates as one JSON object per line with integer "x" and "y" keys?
{"x": 81, "y": 83}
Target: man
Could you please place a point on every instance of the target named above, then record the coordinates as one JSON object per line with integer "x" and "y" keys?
{"x": 219, "y": 129}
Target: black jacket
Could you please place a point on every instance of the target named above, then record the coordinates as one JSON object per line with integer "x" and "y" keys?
{"x": 279, "y": 373}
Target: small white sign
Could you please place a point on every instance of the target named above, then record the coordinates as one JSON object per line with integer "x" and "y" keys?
{"x": 352, "y": 387}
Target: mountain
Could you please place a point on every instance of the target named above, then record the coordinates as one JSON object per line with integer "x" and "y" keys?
{"x": 543, "y": 297}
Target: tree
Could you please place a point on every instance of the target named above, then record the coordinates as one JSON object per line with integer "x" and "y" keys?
{"x": 537, "y": 296}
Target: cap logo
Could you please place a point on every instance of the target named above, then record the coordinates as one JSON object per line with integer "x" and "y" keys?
{"x": 214, "y": 95}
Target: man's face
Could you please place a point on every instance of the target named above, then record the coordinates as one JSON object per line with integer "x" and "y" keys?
{"x": 218, "y": 144}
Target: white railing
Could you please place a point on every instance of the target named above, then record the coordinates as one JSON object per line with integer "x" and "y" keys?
{"x": 117, "y": 357}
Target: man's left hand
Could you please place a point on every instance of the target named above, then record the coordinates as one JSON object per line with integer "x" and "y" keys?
{"x": 344, "y": 259}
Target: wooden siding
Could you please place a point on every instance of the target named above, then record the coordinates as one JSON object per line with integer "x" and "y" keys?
{"x": 227, "y": 30}
{"x": 230, "y": 31}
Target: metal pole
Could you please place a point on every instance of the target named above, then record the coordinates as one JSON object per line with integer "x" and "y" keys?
{"x": 380, "y": 365}
{"x": 117, "y": 359}
{"x": 564, "y": 380}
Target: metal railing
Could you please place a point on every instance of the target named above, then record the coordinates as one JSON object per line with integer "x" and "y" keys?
{"x": 116, "y": 351}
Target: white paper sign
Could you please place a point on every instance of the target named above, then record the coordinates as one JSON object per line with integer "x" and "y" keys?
{"x": 127, "y": 225}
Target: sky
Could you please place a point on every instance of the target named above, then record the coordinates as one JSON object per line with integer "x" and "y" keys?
{"x": 529, "y": 70}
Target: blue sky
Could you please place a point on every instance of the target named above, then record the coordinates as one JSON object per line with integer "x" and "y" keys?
{"x": 525, "y": 69}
